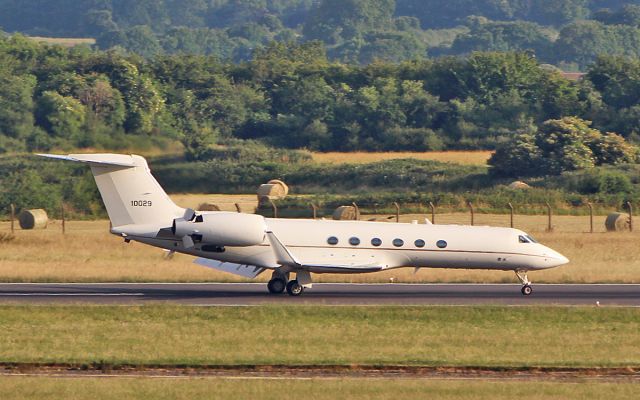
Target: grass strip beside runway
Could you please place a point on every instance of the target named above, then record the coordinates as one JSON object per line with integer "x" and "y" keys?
{"x": 307, "y": 335}
{"x": 25, "y": 388}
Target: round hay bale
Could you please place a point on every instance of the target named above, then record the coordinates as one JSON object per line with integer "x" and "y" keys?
{"x": 285, "y": 188}
{"x": 518, "y": 185}
{"x": 617, "y": 222}
{"x": 344, "y": 213}
{"x": 272, "y": 191}
{"x": 208, "y": 207}
{"x": 33, "y": 219}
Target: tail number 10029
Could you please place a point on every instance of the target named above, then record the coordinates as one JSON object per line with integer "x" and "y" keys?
{"x": 140, "y": 203}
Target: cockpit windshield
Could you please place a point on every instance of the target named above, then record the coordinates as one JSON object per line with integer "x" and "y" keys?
{"x": 526, "y": 239}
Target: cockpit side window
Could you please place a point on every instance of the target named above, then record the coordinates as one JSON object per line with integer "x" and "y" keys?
{"x": 523, "y": 239}
{"x": 531, "y": 239}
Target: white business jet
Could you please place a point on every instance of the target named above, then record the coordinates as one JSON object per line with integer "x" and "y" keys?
{"x": 248, "y": 244}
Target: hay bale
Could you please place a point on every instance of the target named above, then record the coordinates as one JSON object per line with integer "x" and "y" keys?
{"x": 208, "y": 207}
{"x": 283, "y": 186}
{"x": 617, "y": 222}
{"x": 518, "y": 185}
{"x": 33, "y": 219}
{"x": 343, "y": 213}
{"x": 273, "y": 191}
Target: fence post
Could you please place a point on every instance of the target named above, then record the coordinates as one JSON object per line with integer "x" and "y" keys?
{"x": 13, "y": 217}
{"x": 511, "y": 213}
{"x": 357, "y": 211}
{"x": 315, "y": 210}
{"x": 549, "y": 225}
{"x": 275, "y": 209}
{"x": 238, "y": 208}
{"x": 397, "y": 206}
{"x": 472, "y": 213}
{"x": 63, "y": 218}
{"x": 630, "y": 207}
{"x": 433, "y": 213}
{"x": 590, "y": 216}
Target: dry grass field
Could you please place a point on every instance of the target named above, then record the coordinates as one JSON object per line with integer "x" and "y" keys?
{"x": 458, "y": 157}
{"x": 226, "y": 202}
{"x": 28, "y": 388}
{"x": 88, "y": 253}
{"x": 66, "y": 42}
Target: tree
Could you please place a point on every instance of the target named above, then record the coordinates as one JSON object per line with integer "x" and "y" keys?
{"x": 16, "y": 104}
{"x": 503, "y": 36}
{"x": 561, "y": 145}
{"x": 336, "y": 20}
{"x": 61, "y": 116}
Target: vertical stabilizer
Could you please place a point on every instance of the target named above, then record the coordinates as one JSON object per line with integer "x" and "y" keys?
{"x": 130, "y": 193}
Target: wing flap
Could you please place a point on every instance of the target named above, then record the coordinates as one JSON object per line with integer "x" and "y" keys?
{"x": 247, "y": 271}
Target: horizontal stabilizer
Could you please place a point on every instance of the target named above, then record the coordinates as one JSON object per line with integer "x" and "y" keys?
{"x": 120, "y": 160}
{"x": 248, "y": 271}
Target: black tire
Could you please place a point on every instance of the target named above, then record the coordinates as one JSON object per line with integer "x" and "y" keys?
{"x": 276, "y": 286}
{"x": 526, "y": 290}
{"x": 294, "y": 288}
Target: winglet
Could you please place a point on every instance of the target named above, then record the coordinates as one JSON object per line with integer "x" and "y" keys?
{"x": 283, "y": 255}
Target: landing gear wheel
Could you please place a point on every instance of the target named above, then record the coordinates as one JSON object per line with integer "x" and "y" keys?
{"x": 526, "y": 283}
{"x": 526, "y": 290}
{"x": 294, "y": 288}
{"x": 276, "y": 286}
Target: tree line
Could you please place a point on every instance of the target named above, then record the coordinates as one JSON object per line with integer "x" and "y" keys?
{"x": 570, "y": 33}
{"x": 292, "y": 96}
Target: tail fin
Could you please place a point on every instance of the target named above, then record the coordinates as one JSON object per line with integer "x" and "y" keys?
{"x": 129, "y": 191}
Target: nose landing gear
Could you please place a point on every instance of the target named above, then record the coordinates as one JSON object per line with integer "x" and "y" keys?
{"x": 526, "y": 284}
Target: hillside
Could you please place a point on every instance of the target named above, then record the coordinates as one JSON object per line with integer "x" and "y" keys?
{"x": 570, "y": 33}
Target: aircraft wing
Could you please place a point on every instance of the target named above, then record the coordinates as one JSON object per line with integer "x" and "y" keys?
{"x": 248, "y": 271}
{"x": 323, "y": 265}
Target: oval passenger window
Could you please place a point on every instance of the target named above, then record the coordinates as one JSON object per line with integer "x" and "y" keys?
{"x": 419, "y": 243}
{"x": 398, "y": 242}
{"x": 441, "y": 244}
{"x": 354, "y": 241}
{"x": 376, "y": 242}
{"x": 332, "y": 240}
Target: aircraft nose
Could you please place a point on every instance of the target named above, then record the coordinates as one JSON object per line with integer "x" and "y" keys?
{"x": 556, "y": 259}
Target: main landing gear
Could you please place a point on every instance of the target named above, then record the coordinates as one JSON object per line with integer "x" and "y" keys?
{"x": 526, "y": 284}
{"x": 280, "y": 282}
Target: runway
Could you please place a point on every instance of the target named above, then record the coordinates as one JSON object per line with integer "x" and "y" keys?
{"x": 247, "y": 294}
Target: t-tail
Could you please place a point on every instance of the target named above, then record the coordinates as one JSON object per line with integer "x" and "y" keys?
{"x": 130, "y": 193}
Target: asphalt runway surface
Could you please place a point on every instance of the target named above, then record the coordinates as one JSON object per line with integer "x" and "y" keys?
{"x": 228, "y": 294}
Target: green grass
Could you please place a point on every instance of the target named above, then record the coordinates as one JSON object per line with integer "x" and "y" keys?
{"x": 431, "y": 336}
{"x": 24, "y": 388}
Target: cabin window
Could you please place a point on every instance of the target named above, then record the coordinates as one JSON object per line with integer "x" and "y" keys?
{"x": 523, "y": 239}
{"x": 419, "y": 243}
{"x": 441, "y": 244}
{"x": 332, "y": 240}
{"x": 398, "y": 242}
{"x": 376, "y": 242}
{"x": 199, "y": 218}
{"x": 354, "y": 241}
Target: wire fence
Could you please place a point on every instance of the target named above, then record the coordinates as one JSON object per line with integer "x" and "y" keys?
{"x": 549, "y": 221}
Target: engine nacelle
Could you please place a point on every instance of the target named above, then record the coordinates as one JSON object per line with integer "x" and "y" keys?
{"x": 223, "y": 228}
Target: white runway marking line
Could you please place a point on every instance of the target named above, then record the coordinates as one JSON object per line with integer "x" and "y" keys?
{"x": 36, "y": 294}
